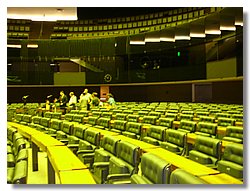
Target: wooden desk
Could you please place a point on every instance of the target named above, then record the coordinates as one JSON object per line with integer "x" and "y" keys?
{"x": 61, "y": 158}
{"x": 177, "y": 161}
{"x": 76, "y": 177}
{"x": 143, "y": 145}
{"x": 221, "y": 178}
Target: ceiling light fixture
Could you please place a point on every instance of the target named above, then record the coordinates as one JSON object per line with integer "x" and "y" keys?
{"x": 14, "y": 46}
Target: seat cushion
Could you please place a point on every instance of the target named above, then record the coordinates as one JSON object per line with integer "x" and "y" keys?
{"x": 200, "y": 157}
{"x": 129, "y": 134}
{"x": 170, "y": 147}
{"x": 10, "y": 174}
{"x": 230, "y": 168}
{"x": 118, "y": 166}
{"x": 233, "y": 139}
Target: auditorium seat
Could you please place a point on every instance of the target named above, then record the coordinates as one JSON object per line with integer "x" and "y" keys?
{"x": 26, "y": 120}
{"x": 83, "y": 113}
{"x": 128, "y": 111}
{"x": 78, "y": 118}
{"x": 68, "y": 116}
{"x": 175, "y": 141}
{"x": 107, "y": 115}
{"x": 180, "y": 176}
{"x": 232, "y": 160}
{"x": 66, "y": 129}
{"x": 207, "y": 119}
{"x": 155, "y": 135}
{"x": 118, "y": 126}
{"x": 92, "y": 120}
{"x": 142, "y": 113}
{"x": 124, "y": 165}
{"x": 133, "y": 130}
{"x": 132, "y": 118}
{"x": 154, "y": 113}
{"x": 48, "y": 114}
{"x": 223, "y": 115}
{"x": 121, "y": 116}
{"x": 56, "y": 115}
{"x": 108, "y": 149}
{"x": 102, "y": 123}
{"x": 234, "y": 134}
{"x": 19, "y": 117}
{"x": 187, "y": 117}
{"x": 187, "y": 126}
{"x": 36, "y": 119}
{"x": 96, "y": 114}
{"x": 87, "y": 146}
{"x": 237, "y": 117}
{"x": 20, "y": 172}
{"x": 55, "y": 125}
{"x": 224, "y": 122}
{"x": 206, "y": 151}
{"x": 149, "y": 120}
{"x": 154, "y": 170}
{"x": 166, "y": 122}
{"x": 171, "y": 115}
{"x": 201, "y": 113}
{"x": 206, "y": 129}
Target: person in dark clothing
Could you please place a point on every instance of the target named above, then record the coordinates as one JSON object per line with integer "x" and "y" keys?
{"x": 63, "y": 100}
{"x": 95, "y": 101}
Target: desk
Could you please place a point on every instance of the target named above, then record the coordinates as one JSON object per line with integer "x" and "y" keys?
{"x": 177, "y": 161}
{"x": 76, "y": 177}
{"x": 221, "y": 178}
{"x": 143, "y": 145}
{"x": 104, "y": 132}
{"x": 61, "y": 158}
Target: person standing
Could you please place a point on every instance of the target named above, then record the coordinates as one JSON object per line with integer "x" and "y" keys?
{"x": 63, "y": 99}
{"x": 84, "y": 101}
{"x": 95, "y": 101}
{"x": 88, "y": 97}
{"x": 72, "y": 100}
{"x": 111, "y": 100}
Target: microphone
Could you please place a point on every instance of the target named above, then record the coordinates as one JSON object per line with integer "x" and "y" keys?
{"x": 49, "y": 96}
{"x": 25, "y": 97}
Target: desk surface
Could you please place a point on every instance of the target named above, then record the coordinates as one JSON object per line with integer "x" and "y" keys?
{"x": 24, "y": 130}
{"x": 193, "y": 167}
{"x": 62, "y": 158}
{"x": 76, "y": 177}
{"x": 221, "y": 178}
{"x": 141, "y": 144}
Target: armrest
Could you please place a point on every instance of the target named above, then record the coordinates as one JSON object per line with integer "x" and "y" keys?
{"x": 65, "y": 141}
{"x": 88, "y": 155}
{"x": 101, "y": 164}
{"x": 118, "y": 176}
{"x": 84, "y": 151}
{"x": 73, "y": 145}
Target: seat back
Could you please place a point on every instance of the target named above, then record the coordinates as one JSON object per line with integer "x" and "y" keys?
{"x": 176, "y": 137}
{"x": 234, "y": 131}
{"x": 92, "y": 137}
{"x": 128, "y": 111}
{"x": 134, "y": 127}
{"x": 78, "y": 131}
{"x": 119, "y": 125}
{"x": 179, "y": 176}
{"x": 187, "y": 117}
{"x": 150, "y": 119}
{"x": 202, "y": 113}
{"x": 238, "y": 117}
{"x": 155, "y": 169}
{"x": 154, "y": 113}
{"x": 56, "y": 115}
{"x": 171, "y": 115}
{"x": 208, "y": 128}
{"x": 206, "y": 119}
{"x": 96, "y": 114}
{"x": 187, "y": 126}
{"x": 74, "y": 111}
{"x": 107, "y": 115}
{"x": 68, "y": 116}
{"x": 92, "y": 120}
{"x": 27, "y": 118}
{"x": 67, "y": 127}
{"x": 234, "y": 153}
{"x": 223, "y": 115}
{"x": 19, "y": 117}
{"x": 142, "y": 113}
{"x": 132, "y": 118}
{"x": 208, "y": 145}
{"x": 129, "y": 153}
{"x": 109, "y": 144}
{"x": 36, "y": 119}
{"x": 45, "y": 121}
{"x": 48, "y": 114}
{"x": 156, "y": 132}
{"x": 56, "y": 124}
{"x": 224, "y": 122}
{"x": 84, "y": 113}
{"x": 104, "y": 122}
{"x": 77, "y": 118}
{"x": 166, "y": 122}
{"x": 121, "y": 116}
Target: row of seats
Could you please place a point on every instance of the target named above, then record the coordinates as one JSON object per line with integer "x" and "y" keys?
{"x": 17, "y": 157}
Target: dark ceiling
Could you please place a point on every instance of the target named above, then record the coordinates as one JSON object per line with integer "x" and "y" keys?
{"x": 108, "y": 12}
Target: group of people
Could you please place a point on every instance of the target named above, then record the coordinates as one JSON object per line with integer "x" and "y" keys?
{"x": 86, "y": 101}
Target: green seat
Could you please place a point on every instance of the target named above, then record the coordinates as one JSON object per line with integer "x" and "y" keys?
{"x": 101, "y": 158}
{"x": 128, "y": 111}
{"x": 187, "y": 117}
{"x": 55, "y": 125}
{"x": 180, "y": 176}
{"x": 234, "y": 134}
{"x": 149, "y": 120}
{"x": 133, "y": 130}
{"x": 142, "y": 113}
{"x": 87, "y": 146}
{"x": 36, "y": 119}
{"x": 166, "y": 122}
{"x": 206, "y": 129}
{"x": 92, "y": 120}
{"x": 154, "y": 170}
{"x": 20, "y": 173}
{"x": 154, "y": 113}
{"x": 206, "y": 119}
{"x": 121, "y": 116}
{"x": 202, "y": 113}
{"x": 124, "y": 165}
{"x": 96, "y": 114}
{"x": 187, "y": 126}
{"x": 223, "y": 115}
{"x": 238, "y": 117}
{"x": 48, "y": 114}
{"x": 175, "y": 141}
{"x": 107, "y": 115}
{"x": 68, "y": 116}
{"x": 83, "y": 113}
{"x": 77, "y": 118}
{"x": 232, "y": 160}
{"x": 224, "y": 122}
{"x": 19, "y": 117}
{"x": 74, "y": 111}
{"x": 206, "y": 151}
{"x": 132, "y": 118}
{"x": 56, "y": 115}
{"x": 10, "y": 174}
{"x": 155, "y": 135}
{"x": 119, "y": 126}
{"x": 103, "y": 123}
